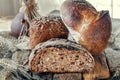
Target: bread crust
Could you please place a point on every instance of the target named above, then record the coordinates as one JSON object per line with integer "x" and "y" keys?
{"x": 92, "y": 27}
{"x": 46, "y": 28}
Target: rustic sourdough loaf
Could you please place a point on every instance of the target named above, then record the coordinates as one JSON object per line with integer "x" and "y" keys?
{"x": 46, "y": 28}
{"x": 60, "y": 55}
{"x": 89, "y": 27}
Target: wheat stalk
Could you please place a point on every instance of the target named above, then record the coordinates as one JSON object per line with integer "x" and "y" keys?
{"x": 31, "y": 10}
{"x": 6, "y": 45}
{"x": 12, "y": 65}
{"x": 116, "y": 75}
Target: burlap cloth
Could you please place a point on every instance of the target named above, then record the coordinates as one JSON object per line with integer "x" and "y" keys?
{"x": 14, "y": 55}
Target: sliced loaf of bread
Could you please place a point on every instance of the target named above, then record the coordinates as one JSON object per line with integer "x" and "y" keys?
{"x": 60, "y": 55}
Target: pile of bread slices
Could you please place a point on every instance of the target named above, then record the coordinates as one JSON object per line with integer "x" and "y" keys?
{"x": 51, "y": 49}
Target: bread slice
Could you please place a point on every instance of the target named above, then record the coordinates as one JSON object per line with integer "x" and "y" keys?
{"x": 46, "y": 28}
{"x": 60, "y": 55}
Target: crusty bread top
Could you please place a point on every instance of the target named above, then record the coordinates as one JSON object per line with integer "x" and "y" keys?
{"x": 74, "y": 12}
{"x": 46, "y": 28}
{"x": 89, "y": 27}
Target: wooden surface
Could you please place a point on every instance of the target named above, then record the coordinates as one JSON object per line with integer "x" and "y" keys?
{"x": 100, "y": 71}
{"x": 67, "y": 76}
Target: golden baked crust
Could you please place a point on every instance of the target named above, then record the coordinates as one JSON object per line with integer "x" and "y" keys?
{"x": 91, "y": 28}
{"x": 96, "y": 36}
{"x": 46, "y": 28}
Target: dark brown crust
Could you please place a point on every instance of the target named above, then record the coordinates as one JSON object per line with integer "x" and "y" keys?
{"x": 94, "y": 27}
{"x": 59, "y": 52}
{"x": 73, "y": 12}
{"x": 98, "y": 33}
{"x": 46, "y": 28}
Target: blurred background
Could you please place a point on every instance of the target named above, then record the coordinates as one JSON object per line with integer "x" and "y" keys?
{"x": 9, "y": 8}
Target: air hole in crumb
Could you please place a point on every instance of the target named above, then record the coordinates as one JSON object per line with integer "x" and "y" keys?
{"x": 53, "y": 62}
{"x": 46, "y": 68}
{"x": 72, "y": 63}
{"x": 44, "y": 51}
{"x": 61, "y": 57}
{"x": 62, "y": 69}
{"x": 76, "y": 59}
{"x": 38, "y": 62}
{"x": 77, "y": 56}
{"x": 61, "y": 54}
{"x": 81, "y": 63}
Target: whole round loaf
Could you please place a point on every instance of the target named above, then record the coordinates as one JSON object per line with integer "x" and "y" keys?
{"x": 16, "y": 25}
{"x": 60, "y": 55}
{"x": 89, "y": 27}
{"x": 46, "y": 28}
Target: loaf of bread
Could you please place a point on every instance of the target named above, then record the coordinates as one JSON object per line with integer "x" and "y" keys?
{"x": 46, "y": 28}
{"x": 60, "y": 55}
{"x": 89, "y": 27}
{"x": 16, "y": 25}
{"x": 54, "y": 13}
